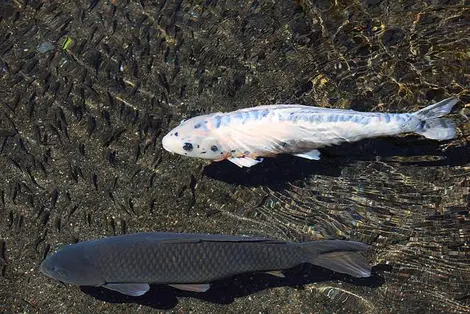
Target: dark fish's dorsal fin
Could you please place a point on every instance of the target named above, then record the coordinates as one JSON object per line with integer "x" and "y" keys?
{"x": 193, "y": 287}
{"x": 198, "y": 238}
{"x": 132, "y": 289}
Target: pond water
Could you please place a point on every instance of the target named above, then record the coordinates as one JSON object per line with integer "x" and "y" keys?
{"x": 88, "y": 91}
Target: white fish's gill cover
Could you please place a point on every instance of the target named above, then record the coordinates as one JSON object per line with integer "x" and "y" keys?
{"x": 194, "y": 138}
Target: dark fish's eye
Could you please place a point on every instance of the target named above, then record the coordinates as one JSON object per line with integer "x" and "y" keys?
{"x": 214, "y": 148}
{"x": 188, "y": 147}
{"x": 62, "y": 273}
{"x": 59, "y": 272}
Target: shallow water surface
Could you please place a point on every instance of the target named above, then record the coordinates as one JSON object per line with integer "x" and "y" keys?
{"x": 88, "y": 91}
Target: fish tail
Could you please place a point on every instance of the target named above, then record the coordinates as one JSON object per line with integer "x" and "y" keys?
{"x": 434, "y": 127}
{"x": 338, "y": 255}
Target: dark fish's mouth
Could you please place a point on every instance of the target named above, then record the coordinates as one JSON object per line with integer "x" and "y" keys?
{"x": 43, "y": 269}
{"x": 46, "y": 271}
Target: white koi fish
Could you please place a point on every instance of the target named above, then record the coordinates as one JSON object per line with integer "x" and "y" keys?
{"x": 245, "y": 135}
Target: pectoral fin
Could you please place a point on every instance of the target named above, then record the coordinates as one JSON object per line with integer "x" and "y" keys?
{"x": 276, "y": 273}
{"x": 245, "y": 161}
{"x": 193, "y": 287}
{"x": 132, "y": 289}
{"x": 312, "y": 155}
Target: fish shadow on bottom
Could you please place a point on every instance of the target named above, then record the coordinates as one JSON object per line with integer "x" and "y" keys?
{"x": 225, "y": 291}
{"x": 278, "y": 171}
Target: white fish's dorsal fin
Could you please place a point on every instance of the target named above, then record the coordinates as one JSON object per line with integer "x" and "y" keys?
{"x": 245, "y": 161}
{"x": 132, "y": 289}
{"x": 276, "y": 273}
{"x": 193, "y": 287}
{"x": 312, "y": 155}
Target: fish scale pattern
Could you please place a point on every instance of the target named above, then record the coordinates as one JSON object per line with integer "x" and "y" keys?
{"x": 308, "y": 114}
{"x": 197, "y": 262}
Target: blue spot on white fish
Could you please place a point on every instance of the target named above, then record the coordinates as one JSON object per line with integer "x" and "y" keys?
{"x": 356, "y": 119}
{"x": 225, "y": 120}
{"x": 217, "y": 121}
{"x": 239, "y": 116}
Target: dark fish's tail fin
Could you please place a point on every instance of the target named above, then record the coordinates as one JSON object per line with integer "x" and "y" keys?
{"x": 337, "y": 255}
{"x": 432, "y": 126}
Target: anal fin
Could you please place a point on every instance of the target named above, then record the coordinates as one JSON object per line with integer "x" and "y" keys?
{"x": 314, "y": 154}
{"x": 193, "y": 287}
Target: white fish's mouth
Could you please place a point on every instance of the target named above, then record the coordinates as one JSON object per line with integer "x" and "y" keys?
{"x": 165, "y": 142}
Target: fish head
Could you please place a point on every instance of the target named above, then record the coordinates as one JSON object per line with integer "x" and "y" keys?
{"x": 69, "y": 265}
{"x": 194, "y": 138}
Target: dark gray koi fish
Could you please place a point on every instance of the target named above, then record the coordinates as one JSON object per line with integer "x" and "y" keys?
{"x": 129, "y": 263}
{"x": 245, "y": 136}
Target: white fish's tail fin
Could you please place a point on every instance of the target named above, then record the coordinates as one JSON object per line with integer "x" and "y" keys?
{"x": 434, "y": 127}
{"x": 340, "y": 256}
